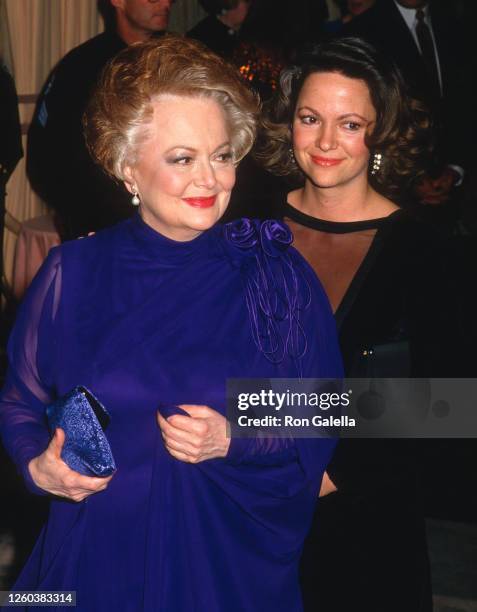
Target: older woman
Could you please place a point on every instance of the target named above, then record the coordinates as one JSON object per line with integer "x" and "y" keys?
{"x": 157, "y": 312}
{"x": 343, "y": 128}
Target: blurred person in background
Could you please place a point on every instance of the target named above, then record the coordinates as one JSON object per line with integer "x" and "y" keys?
{"x": 11, "y": 149}
{"x": 220, "y": 30}
{"x": 59, "y": 166}
{"x": 430, "y": 48}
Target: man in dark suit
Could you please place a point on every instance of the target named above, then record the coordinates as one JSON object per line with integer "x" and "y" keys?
{"x": 59, "y": 166}
{"x": 425, "y": 43}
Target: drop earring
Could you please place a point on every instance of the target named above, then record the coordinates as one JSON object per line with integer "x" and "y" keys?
{"x": 377, "y": 158}
{"x": 135, "y": 201}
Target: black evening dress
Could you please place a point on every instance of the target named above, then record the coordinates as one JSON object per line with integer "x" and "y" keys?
{"x": 384, "y": 278}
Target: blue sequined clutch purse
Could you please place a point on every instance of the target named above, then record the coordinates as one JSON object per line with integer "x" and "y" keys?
{"x": 83, "y": 419}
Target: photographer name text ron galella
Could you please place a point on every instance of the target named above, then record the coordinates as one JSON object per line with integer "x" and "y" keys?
{"x": 293, "y": 421}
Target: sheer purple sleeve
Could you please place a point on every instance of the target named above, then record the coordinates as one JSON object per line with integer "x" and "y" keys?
{"x": 29, "y": 383}
{"x": 321, "y": 359}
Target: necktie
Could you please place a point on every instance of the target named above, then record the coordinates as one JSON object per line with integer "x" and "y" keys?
{"x": 427, "y": 51}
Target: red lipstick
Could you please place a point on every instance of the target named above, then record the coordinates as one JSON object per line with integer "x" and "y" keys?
{"x": 201, "y": 202}
{"x": 325, "y": 161}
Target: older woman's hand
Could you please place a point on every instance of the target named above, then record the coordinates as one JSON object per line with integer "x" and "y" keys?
{"x": 201, "y": 435}
{"x": 50, "y": 473}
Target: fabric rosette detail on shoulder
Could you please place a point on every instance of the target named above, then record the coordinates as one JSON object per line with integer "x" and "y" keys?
{"x": 276, "y": 291}
{"x": 275, "y": 237}
{"x": 242, "y": 234}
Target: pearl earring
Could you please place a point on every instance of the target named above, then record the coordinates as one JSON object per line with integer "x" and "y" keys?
{"x": 377, "y": 158}
{"x": 135, "y": 201}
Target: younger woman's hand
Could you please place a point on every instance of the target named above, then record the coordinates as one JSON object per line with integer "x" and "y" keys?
{"x": 50, "y": 473}
{"x": 327, "y": 486}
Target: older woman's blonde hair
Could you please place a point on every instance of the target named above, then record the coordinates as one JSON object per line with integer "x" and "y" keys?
{"x": 120, "y": 109}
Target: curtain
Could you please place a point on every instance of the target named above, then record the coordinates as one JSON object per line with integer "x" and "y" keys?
{"x": 35, "y": 35}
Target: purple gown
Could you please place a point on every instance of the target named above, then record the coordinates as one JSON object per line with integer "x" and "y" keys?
{"x": 142, "y": 320}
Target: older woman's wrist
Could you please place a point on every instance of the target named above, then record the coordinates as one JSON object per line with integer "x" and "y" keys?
{"x": 226, "y": 447}
{"x": 30, "y": 477}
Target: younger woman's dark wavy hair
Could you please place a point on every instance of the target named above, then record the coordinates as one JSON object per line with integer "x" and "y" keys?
{"x": 402, "y": 132}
